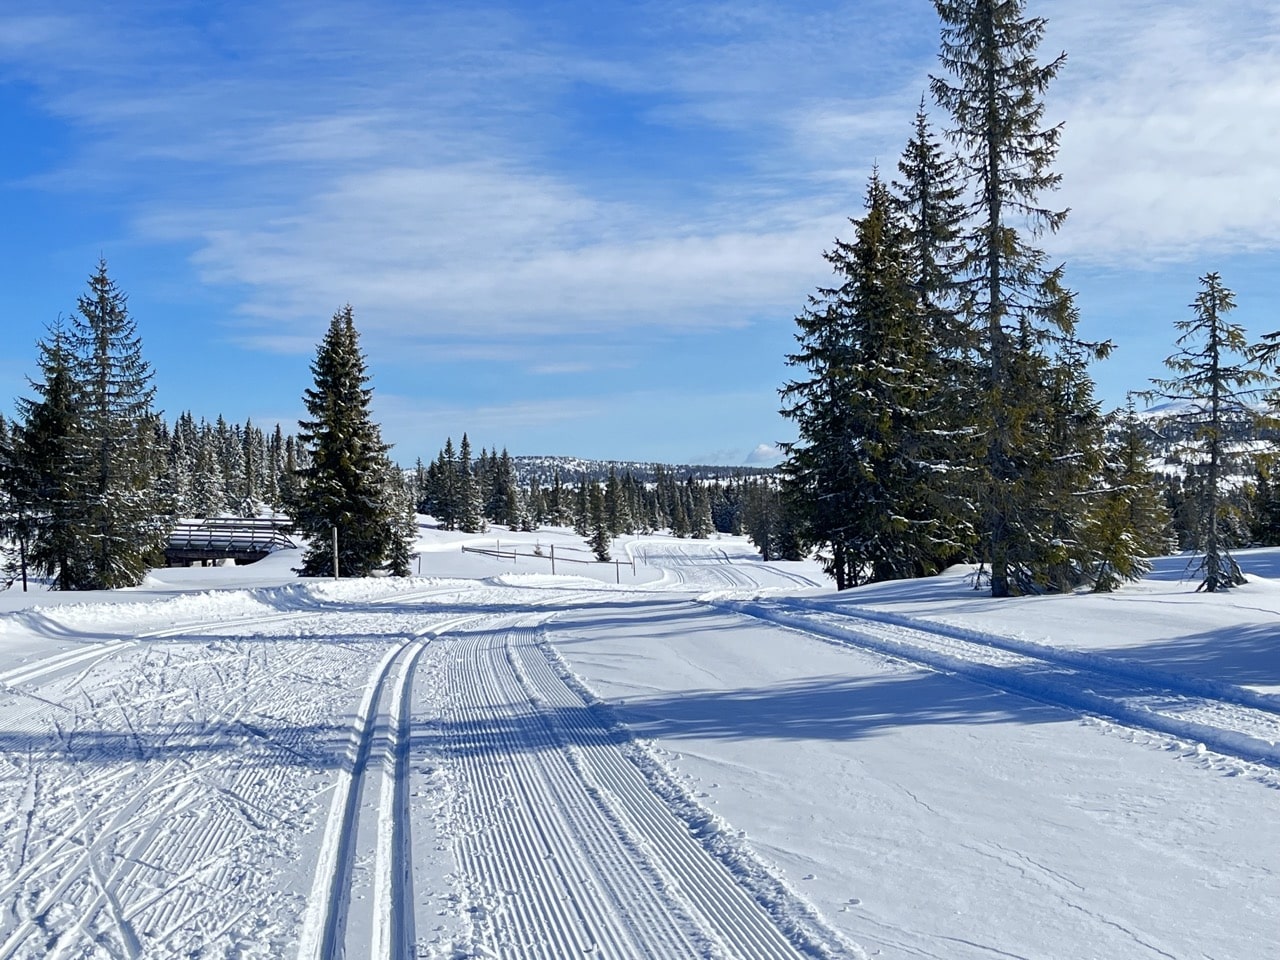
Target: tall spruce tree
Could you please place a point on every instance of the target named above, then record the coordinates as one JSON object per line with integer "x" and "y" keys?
{"x": 1018, "y": 308}
{"x": 120, "y": 518}
{"x": 46, "y": 483}
{"x": 1219, "y": 378}
{"x": 347, "y": 482}
{"x": 865, "y": 469}
{"x": 931, "y": 199}
{"x": 470, "y": 502}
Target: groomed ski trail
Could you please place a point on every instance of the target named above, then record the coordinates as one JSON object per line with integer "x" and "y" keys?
{"x": 564, "y": 846}
{"x": 144, "y": 772}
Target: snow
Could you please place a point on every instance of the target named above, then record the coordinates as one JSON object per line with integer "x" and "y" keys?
{"x": 713, "y": 757}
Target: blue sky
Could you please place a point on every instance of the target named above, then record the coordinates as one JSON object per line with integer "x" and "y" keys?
{"x": 577, "y": 228}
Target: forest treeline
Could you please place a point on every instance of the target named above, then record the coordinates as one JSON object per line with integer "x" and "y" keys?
{"x": 93, "y": 478}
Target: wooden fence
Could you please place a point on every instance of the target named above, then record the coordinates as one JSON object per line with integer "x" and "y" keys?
{"x": 514, "y": 556}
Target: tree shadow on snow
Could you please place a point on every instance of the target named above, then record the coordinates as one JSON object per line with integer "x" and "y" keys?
{"x": 1247, "y": 655}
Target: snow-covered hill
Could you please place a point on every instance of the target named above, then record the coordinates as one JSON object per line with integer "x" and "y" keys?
{"x": 1171, "y": 431}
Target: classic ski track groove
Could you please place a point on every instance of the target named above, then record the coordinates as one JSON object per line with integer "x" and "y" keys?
{"x": 380, "y": 729}
{"x": 587, "y": 859}
{"x": 1160, "y": 704}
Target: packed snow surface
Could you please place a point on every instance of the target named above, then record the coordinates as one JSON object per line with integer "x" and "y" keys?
{"x": 703, "y": 756}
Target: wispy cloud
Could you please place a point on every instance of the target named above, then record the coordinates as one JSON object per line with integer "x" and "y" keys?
{"x": 1171, "y": 128}
{"x": 420, "y": 162}
{"x": 765, "y": 454}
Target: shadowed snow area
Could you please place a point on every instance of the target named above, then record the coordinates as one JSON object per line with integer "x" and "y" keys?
{"x": 703, "y": 756}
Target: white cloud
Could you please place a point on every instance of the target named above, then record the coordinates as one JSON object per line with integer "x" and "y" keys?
{"x": 479, "y": 251}
{"x": 766, "y": 454}
{"x": 402, "y": 162}
{"x": 1172, "y": 116}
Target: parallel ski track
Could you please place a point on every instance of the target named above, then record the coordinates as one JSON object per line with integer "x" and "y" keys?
{"x": 574, "y": 853}
{"x": 380, "y": 733}
{"x": 1229, "y": 720}
{"x": 132, "y": 850}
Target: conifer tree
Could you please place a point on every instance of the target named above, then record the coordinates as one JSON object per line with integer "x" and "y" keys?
{"x": 599, "y": 540}
{"x": 404, "y": 521}
{"x": 120, "y": 517}
{"x": 1018, "y": 308}
{"x": 866, "y": 468}
{"x": 345, "y": 484}
{"x": 1219, "y": 377}
{"x": 181, "y": 468}
{"x": 558, "y": 513}
{"x": 1065, "y": 477}
{"x": 470, "y": 504}
{"x": 582, "y": 508}
{"x": 616, "y": 509}
{"x": 1264, "y": 513}
{"x": 701, "y": 526}
{"x": 930, "y": 199}
{"x": 444, "y": 501}
{"x": 1132, "y": 520}
{"x": 208, "y": 496}
{"x": 44, "y": 481}
{"x": 679, "y": 514}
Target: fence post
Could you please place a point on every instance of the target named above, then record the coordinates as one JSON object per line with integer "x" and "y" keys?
{"x": 335, "y": 553}
{"x": 617, "y": 571}
{"x": 553, "y": 559}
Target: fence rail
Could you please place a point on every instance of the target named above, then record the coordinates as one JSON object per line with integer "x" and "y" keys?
{"x": 514, "y": 555}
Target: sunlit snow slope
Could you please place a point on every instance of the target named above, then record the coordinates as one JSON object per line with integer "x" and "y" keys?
{"x": 713, "y": 757}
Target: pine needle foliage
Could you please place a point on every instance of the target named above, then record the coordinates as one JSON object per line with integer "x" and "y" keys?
{"x": 865, "y": 470}
{"x": 1219, "y": 377}
{"x": 119, "y": 519}
{"x": 348, "y": 482}
{"x": 1132, "y": 521}
{"x": 46, "y": 488}
{"x": 1021, "y": 316}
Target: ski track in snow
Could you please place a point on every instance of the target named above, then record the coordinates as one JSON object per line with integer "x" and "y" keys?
{"x": 145, "y": 777}
{"x": 1228, "y": 720}
{"x": 567, "y": 848}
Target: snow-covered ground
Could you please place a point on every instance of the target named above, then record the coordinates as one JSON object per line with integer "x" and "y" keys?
{"x": 706, "y": 757}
